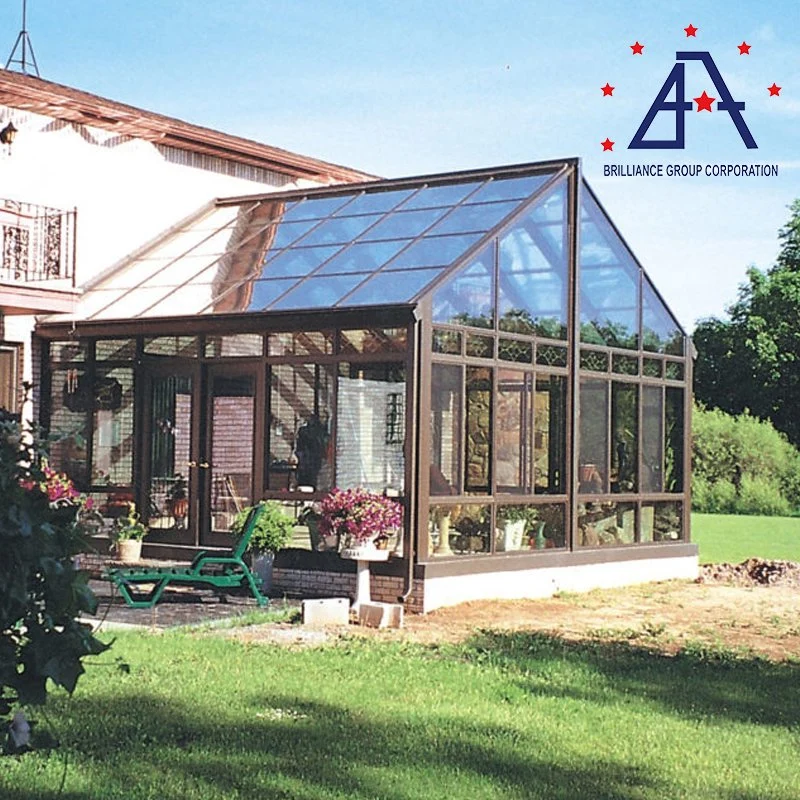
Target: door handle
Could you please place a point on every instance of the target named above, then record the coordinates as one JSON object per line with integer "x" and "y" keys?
{"x": 204, "y": 465}
{"x": 191, "y": 463}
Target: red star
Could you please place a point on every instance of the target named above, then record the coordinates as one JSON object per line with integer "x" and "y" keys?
{"x": 691, "y": 30}
{"x": 607, "y": 144}
{"x": 744, "y": 49}
{"x": 774, "y": 90}
{"x": 637, "y": 48}
{"x": 704, "y": 102}
{"x": 608, "y": 90}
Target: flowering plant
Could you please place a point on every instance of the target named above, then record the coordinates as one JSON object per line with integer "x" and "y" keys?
{"x": 358, "y": 516}
{"x": 59, "y": 488}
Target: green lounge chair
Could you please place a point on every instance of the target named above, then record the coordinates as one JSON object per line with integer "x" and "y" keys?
{"x": 227, "y": 571}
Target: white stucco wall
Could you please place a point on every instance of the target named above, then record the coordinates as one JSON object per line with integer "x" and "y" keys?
{"x": 125, "y": 190}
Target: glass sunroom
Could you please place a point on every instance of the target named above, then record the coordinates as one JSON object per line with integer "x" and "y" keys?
{"x": 482, "y": 345}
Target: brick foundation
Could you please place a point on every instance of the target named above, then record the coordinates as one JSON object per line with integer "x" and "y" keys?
{"x": 326, "y": 583}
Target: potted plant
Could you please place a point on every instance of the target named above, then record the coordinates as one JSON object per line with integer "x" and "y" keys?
{"x": 178, "y": 501}
{"x": 127, "y": 535}
{"x": 273, "y": 531}
{"x": 363, "y": 521}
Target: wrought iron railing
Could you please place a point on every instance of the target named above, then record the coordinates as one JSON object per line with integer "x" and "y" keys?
{"x": 37, "y": 243}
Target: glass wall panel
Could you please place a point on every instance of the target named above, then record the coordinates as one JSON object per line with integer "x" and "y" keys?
{"x": 550, "y": 435}
{"x": 673, "y": 439}
{"x": 374, "y": 340}
{"x": 468, "y": 297}
{"x": 625, "y": 437}
{"x": 70, "y": 401}
{"x": 534, "y": 271}
{"x": 445, "y": 341}
{"x": 478, "y": 451}
{"x": 458, "y": 530}
{"x": 301, "y": 343}
{"x": 447, "y": 396}
{"x": 529, "y": 527}
{"x": 240, "y": 344}
{"x": 609, "y": 281}
{"x": 69, "y": 352}
{"x": 181, "y": 346}
{"x": 652, "y": 439}
{"x": 115, "y": 349}
{"x": 606, "y": 524}
{"x": 170, "y": 451}
{"x": 370, "y": 427}
{"x": 232, "y": 437}
{"x": 660, "y": 332}
{"x": 593, "y": 440}
{"x": 513, "y": 430}
{"x": 662, "y": 522}
{"x": 300, "y": 414}
{"x": 112, "y": 430}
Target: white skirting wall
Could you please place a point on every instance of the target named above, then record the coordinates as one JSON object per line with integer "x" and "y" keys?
{"x": 546, "y": 581}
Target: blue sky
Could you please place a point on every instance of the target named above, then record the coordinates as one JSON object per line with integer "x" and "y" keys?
{"x": 405, "y": 88}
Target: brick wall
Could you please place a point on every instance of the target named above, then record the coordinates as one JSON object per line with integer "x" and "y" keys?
{"x": 324, "y": 583}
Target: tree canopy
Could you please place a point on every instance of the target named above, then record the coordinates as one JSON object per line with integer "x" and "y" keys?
{"x": 752, "y": 360}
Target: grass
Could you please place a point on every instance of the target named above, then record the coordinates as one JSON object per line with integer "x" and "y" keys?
{"x": 507, "y": 715}
{"x": 735, "y": 538}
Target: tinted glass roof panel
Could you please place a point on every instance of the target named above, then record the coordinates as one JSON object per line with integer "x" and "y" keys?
{"x": 479, "y": 217}
{"x": 363, "y": 257}
{"x": 297, "y": 262}
{"x": 404, "y": 224}
{"x": 319, "y": 292}
{"x": 316, "y": 207}
{"x": 511, "y": 188}
{"x": 387, "y": 287}
{"x": 434, "y": 250}
{"x": 433, "y": 196}
{"x": 289, "y": 232}
{"x": 375, "y": 202}
{"x": 340, "y": 230}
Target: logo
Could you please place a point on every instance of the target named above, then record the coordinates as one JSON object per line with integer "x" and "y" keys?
{"x": 680, "y": 105}
{"x": 700, "y": 90}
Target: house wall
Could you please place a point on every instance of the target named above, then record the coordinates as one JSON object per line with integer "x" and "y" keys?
{"x": 127, "y": 191}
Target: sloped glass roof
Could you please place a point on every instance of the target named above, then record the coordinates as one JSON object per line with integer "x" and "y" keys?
{"x": 375, "y": 245}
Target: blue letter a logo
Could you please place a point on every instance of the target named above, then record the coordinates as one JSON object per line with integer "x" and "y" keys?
{"x": 680, "y": 106}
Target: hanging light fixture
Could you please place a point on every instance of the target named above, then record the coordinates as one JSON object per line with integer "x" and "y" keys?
{"x": 7, "y": 135}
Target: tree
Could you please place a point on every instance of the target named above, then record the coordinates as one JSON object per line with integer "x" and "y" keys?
{"x": 41, "y": 592}
{"x": 752, "y": 360}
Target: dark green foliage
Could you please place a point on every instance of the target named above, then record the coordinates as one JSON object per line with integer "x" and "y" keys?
{"x": 753, "y": 360}
{"x": 41, "y": 592}
{"x": 742, "y": 465}
{"x": 273, "y": 529}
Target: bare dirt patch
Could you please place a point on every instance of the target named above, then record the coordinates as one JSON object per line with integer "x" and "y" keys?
{"x": 731, "y": 606}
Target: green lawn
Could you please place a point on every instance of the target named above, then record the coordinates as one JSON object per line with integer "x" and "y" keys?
{"x": 506, "y": 716}
{"x": 733, "y": 538}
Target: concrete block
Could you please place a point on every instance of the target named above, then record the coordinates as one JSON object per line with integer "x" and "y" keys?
{"x": 326, "y": 612}
{"x": 381, "y": 615}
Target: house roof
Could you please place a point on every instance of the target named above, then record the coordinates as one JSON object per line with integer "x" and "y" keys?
{"x": 38, "y": 96}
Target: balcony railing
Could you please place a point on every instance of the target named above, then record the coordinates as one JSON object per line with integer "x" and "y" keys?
{"x": 36, "y": 243}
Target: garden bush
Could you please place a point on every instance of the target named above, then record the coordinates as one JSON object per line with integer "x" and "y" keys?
{"x": 742, "y": 465}
{"x": 41, "y": 592}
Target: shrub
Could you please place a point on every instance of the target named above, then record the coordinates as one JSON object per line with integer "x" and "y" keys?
{"x": 41, "y": 591}
{"x": 761, "y": 497}
{"x": 742, "y": 465}
{"x": 273, "y": 529}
